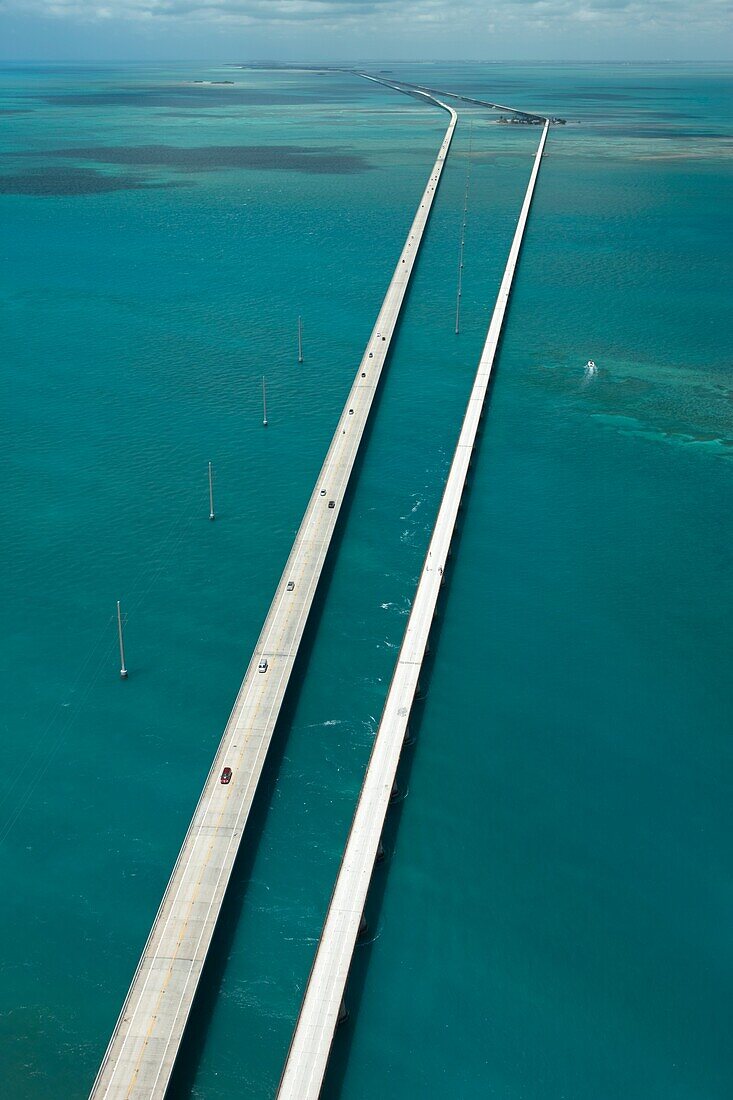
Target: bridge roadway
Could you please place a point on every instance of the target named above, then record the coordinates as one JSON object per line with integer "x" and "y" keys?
{"x": 142, "y": 1050}
{"x": 307, "y": 1059}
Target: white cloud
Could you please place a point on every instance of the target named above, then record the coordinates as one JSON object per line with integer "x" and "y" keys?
{"x": 615, "y": 15}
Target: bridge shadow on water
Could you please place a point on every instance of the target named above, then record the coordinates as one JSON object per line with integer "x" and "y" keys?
{"x": 340, "y": 1050}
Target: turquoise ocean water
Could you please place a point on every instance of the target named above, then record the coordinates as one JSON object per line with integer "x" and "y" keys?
{"x": 553, "y": 920}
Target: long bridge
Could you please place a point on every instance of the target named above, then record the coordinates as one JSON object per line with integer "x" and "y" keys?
{"x": 142, "y": 1051}
{"x": 323, "y": 1004}
{"x": 404, "y": 86}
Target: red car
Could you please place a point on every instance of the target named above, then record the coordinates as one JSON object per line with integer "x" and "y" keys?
{"x": 226, "y": 776}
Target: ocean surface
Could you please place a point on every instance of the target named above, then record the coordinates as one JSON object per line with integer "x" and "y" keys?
{"x": 553, "y": 920}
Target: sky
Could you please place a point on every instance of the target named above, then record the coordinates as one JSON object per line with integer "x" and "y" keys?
{"x": 342, "y": 30}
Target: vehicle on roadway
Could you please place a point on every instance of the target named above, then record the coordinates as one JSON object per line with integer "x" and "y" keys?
{"x": 262, "y": 666}
{"x": 323, "y": 492}
{"x": 332, "y": 504}
{"x": 226, "y": 776}
{"x": 290, "y": 586}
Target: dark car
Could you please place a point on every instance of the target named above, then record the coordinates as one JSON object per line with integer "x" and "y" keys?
{"x": 332, "y": 504}
{"x": 226, "y": 776}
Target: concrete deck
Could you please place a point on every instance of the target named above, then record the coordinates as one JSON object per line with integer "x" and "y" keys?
{"x": 311, "y": 1044}
{"x": 142, "y": 1051}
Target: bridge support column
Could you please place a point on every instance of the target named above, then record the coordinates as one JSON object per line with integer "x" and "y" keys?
{"x": 380, "y": 853}
{"x": 343, "y": 1013}
{"x": 363, "y": 928}
{"x": 395, "y": 794}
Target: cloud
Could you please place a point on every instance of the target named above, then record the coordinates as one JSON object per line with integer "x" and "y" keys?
{"x": 614, "y": 15}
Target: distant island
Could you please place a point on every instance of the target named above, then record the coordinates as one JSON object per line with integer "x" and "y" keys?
{"x": 528, "y": 120}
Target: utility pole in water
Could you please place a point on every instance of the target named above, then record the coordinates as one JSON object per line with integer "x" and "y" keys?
{"x": 463, "y": 234}
{"x": 123, "y": 668}
{"x": 212, "y": 513}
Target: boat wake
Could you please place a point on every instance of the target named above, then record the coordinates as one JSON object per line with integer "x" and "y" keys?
{"x": 590, "y": 370}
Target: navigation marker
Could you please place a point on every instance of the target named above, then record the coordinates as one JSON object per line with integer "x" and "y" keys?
{"x": 212, "y": 513}
{"x": 300, "y": 339}
{"x": 264, "y": 403}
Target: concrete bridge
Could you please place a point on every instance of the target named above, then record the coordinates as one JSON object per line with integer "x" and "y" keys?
{"x": 142, "y": 1050}
{"x": 323, "y": 1003}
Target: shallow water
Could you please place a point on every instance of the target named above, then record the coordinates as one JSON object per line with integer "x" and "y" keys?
{"x": 553, "y": 919}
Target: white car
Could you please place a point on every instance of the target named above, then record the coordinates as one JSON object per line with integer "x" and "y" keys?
{"x": 262, "y": 666}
